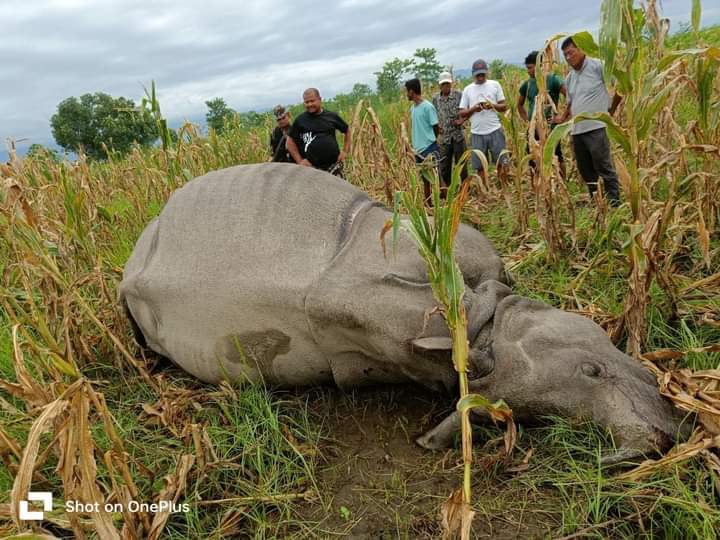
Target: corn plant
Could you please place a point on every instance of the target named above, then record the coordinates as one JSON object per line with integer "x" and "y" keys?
{"x": 435, "y": 240}
{"x": 519, "y": 164}
{"x": 647, "y": 78}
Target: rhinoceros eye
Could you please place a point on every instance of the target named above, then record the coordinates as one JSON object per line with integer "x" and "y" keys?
{"x": 591, "y": 370}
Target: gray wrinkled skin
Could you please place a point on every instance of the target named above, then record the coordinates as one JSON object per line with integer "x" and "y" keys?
{"x": 275, "y": 273}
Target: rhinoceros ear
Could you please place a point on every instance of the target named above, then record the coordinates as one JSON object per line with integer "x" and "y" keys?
{"x": 432, "y": 344}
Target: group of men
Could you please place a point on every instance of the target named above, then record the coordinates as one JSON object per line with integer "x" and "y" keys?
{"x": 438, "y": 126}
{"x": 310, "y": 140}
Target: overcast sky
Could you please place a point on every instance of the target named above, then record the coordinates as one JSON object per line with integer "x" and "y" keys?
{"x": 254, "y": 54}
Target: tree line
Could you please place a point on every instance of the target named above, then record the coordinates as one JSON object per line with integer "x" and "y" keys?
{"x": 97, "y": 123}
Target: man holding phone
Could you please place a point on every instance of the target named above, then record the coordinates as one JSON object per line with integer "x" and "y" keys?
{"x": 482, "y": 100}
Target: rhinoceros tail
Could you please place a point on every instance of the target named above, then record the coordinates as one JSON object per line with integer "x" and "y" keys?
{"x": 137, "y": 333}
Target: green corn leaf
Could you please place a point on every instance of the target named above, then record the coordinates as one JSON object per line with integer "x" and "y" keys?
{"x": 611, "y": 25}
{"x": 696, "y": 15}
{"x": 586, "y": 42}
{"x": 656, "y": 102}
{"x": 551, "y": 143}
{"x": 615, "y": 132}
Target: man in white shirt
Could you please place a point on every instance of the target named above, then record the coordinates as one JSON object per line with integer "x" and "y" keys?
{"x": 482, "y": 101}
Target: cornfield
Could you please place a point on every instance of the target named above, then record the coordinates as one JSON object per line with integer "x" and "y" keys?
{"x": 84, "y": 414}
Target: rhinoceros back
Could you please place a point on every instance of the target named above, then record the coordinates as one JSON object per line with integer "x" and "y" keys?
{"x": 218, "y": 281}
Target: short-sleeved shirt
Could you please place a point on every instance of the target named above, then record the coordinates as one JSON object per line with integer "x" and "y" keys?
{"x": 277, "y": 147}
{"x": 486, "y": 121}
{"x": 529, "y": 91}
{"x": 587, "y": 94}
{"x": 314, "y": 135}
{"x": 424, "y": 117}
{"x": 448, "y": 108}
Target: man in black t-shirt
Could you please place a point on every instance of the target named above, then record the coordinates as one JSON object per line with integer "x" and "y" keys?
{"x": 311, "y": 141}
{"x": 279, "y": 136}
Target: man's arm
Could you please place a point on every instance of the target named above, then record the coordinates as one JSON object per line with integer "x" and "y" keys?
{"x": 617, "y": 98}
{"x": 346, "y": 146}
{"x": 563, "y": 116}
{"x": 500, "y": 106}
{"x": 436, "y": 129}
{"x": 465, "y": 113}
{"x": 521, "y": 107}
{"x": 291, "y": 146}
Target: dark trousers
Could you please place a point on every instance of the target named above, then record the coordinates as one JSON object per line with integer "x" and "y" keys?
{"x": 336, "y": 169}
{"x": 432, "y": 150}
{"x": 558, "y": 148}
{"x": 450, "y": 154}
{"x": 592, "y": 153}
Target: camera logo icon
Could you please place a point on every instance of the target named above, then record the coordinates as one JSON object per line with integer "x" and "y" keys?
{"x": 44, "y": 496}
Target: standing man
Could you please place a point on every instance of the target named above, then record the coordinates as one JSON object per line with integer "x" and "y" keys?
{"x": 278, "y": 138}
{"x": 529, "y": 90}
{"x": 452, "y": 138}
{"x": 425, "y": 128}
{"x": 587, "y": 94}
{"x": 482, "y": 100}
{"x": 312, "y": 141}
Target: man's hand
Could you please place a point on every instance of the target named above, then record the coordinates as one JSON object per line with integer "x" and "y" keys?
{"x": 342, "y": 156}
{"x": 305, "y": 163}
{"x": 458, "y": 121}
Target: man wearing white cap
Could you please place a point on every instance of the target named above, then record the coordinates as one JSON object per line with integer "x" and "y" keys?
{"x": 452, "y": 138}
{"x": 481, "y": 101}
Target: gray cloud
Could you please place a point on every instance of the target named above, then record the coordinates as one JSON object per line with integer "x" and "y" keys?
{"x": 253, "y": 54}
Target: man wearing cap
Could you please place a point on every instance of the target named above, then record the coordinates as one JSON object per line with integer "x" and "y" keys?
{"x": 311, "y": 141}
{"x": 529, "y": 91}
{"x": 587, "y": 93}
{"x": 279, "y": 136}
{"x": 481, "y": 101}
{"x": 452, "y": 138}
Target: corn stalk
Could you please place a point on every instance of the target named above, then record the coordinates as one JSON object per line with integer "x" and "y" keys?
{"x": 647, "y": 78}
{"x": 435, "y": 240}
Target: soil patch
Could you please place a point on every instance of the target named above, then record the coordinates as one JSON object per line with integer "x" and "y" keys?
{"x": 377, "y": 483}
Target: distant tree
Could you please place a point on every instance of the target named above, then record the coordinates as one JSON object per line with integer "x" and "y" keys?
{"x": 427, "y": 68}
{"x": 38, "y": 151}
{"x": 97, "y": 119}
{"x": 360, "y": 91}
{"x": 390, "y": 77}
{"x": 252, "y": 119}
{"x": 343, "y": 102}
{"x": 218, "y": 113}
{"x": 497, "y": 69}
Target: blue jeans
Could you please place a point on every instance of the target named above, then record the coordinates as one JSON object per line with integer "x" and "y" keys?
{"x": 421, "y": 157}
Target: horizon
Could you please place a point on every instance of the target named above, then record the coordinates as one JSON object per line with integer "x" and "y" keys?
{"x": 200, "y": 64}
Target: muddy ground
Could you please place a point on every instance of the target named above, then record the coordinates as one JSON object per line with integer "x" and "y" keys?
{"x": 377, "y": 483}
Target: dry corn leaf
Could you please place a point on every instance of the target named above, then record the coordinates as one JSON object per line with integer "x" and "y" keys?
{"x": 678, "y": 454}
{"x": 25, "y": 472}
{"x": 456, "y": 517}
{"x": 102, "y": 520}
{"x": 174, "y": 487}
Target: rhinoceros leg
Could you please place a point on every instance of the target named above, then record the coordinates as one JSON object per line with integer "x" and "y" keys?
{"x": 353, "y": 369}
{"x": 442, "y": 435}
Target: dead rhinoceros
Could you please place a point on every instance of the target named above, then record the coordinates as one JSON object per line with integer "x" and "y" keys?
{"x": 275, "y": 273}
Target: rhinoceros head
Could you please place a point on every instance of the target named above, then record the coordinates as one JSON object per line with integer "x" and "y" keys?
{"x": 548, "y": 361}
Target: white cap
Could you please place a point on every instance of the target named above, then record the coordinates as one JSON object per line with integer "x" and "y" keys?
{"x": 445, "y": 76}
